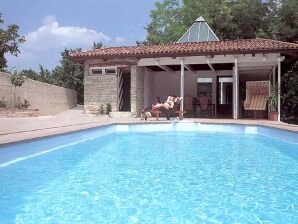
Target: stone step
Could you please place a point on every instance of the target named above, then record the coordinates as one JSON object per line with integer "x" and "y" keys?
{"x": 120, "y": 114}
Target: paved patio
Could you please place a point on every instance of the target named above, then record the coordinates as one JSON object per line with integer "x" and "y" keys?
{"x": 19, "y": 129}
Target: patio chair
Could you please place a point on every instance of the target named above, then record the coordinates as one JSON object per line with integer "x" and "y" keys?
{"x": 204, "y": 107}
{"x": 188, "y": 103}
{"x": 257, "y": 93}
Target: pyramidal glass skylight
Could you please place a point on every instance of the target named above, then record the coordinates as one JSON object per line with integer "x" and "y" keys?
{"x": 200, "y": 31}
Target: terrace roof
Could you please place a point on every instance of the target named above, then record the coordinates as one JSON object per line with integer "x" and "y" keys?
{"x": 245, "y": 46}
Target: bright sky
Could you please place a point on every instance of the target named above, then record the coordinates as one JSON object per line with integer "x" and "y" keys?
{"x": 51, "y": 26}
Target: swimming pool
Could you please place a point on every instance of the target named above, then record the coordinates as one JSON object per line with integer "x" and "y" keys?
{"x": 159, "y": 173}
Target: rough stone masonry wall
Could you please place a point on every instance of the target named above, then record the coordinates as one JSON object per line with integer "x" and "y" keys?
{"x": 137, "y": 90}
{"x": 99, "y": 90}
{"x": 102, "y": 89}
{"x": 49, "y": 99}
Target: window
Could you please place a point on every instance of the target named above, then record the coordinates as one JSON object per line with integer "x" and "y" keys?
{"x": 103, "y": 71}
{"x": 110, "y": 71}
{"x": 204, "y": 87}
{"x": 96, "y": 71}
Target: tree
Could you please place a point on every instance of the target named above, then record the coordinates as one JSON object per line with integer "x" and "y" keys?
{"x": 271, "y": 19}
{"x": 70, "y": 75}
{"x": 248, "y": 18}
{"x": 16, "y": 80}
{"x": 289, "y": 90}
{"x": 166, "y": 25}
{"x": 171, "y": 19}
{"x": 29, "y": 73}
{"x": 45, "y": 75}
{"x": 229, "y": 19}
{"x": 287, "y": 27}
{"x": 9, "y": 42}
{"x": 140, "y": 43}
{"x": 97, "y": 45}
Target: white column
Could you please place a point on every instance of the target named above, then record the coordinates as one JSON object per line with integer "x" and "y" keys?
{"x": 235, "y": 90}
{"x": 182, "y": 84}
{"x": 278, "y": 85}
{"x": 221, "y": 92}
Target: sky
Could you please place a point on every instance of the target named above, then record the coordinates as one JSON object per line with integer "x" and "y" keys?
{"x": 49, "y": 26}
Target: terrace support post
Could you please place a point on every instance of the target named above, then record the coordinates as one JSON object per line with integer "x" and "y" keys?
{"x": 221, "y": 92}
{"x": 278, "y": 86}
{"x": 182, "y": 84}
{"x": 137, "y": 90}
{"x": 273, "y": 78}
{"x": 235, "y": 90}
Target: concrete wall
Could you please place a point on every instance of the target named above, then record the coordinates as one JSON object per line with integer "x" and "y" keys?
{"x": 49, "y": 99}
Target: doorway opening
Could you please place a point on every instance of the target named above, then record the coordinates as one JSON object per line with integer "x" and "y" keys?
{"x": 124, "y": 91}
{"x": 225, "y": 97}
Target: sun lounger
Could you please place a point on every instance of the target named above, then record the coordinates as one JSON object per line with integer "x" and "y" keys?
{"x": 168, "y": 113}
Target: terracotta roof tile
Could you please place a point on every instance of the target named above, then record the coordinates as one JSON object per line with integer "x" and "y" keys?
{"x": 192, "y": 48}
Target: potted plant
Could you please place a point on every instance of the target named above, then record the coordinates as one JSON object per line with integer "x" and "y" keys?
{"x": 272, "y": 105}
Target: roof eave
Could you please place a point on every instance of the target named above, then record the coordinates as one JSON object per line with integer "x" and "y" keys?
{"x": 82, "y": 59}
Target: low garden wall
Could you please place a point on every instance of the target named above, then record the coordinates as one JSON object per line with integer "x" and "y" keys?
{"x": 49, "y": 99}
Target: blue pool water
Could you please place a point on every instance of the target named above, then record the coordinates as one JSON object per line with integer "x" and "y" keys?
{"x": 155, "y": 177}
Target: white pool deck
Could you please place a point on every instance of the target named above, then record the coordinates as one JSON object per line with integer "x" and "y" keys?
{"x": 19, "y": 129}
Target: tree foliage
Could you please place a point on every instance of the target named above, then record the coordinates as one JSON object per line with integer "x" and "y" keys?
{"x": 290, "y": 95}
{"x": 67, "y": 74}
{"x": 248, "y": 18}
{"x": 167, "y": 24}
{"x": 70, "y": 75}
{"x": 97, "y": 45}
{"x": 230, "y": 19}
{"x": 9, "y": 41}
{"x": 287, "y": 27}
{"x": 16, "y": 80}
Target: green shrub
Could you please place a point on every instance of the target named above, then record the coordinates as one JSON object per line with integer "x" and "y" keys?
{"x": 26, "y": 104}
{"x": 273, "y": 100}
{"x": 108, "y": 109}
{"x": 289, "y": 90}
{"x": 3, "y": 102}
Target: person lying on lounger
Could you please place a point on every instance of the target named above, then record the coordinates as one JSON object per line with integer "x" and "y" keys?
{"x": 169, "y": 104}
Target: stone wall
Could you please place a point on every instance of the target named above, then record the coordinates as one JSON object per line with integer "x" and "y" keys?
{"x": 137, "y": 90}
{"x": 49, "y": 99}
{"x": 101, "y": 89}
